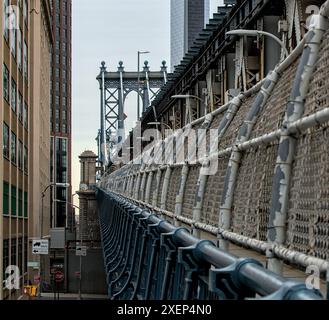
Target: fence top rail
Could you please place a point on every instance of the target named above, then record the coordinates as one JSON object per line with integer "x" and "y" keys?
{"x": 250, "y": 273}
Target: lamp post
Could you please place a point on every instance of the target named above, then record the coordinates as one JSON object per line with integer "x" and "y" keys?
{"x": 157, "y": 124}
{"x": 255, "y": 33}
{"x": 43, "y": 194}
{"x": 138, "y": 80}
{"x": 80, "y": 258}
{"x": 187, "y": 97}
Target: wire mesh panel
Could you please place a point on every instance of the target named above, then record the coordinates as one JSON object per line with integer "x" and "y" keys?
{"x": 318, "y": 96}
{"x": 190, "y": 141}
{"x": 153, "y": 186}
{"x": 211, "y": 204}
{"x": 308, "y": 227}
{"x": 273, "y": 112}
{"x": 160, "y": 188}
{"x": 253, "y": 192}
{"x": 190, "y": 191}
{"x": 232, "y": 131}
{"x": 173, "y": 188}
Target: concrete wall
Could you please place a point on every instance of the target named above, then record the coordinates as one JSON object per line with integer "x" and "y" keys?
{"x": 93, "y": 274}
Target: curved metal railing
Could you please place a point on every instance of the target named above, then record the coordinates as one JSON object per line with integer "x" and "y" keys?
{"x": 147, "y": 258}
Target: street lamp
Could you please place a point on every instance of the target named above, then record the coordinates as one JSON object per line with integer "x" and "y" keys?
{"x": 80, "y": 258}
{"x": 43, "y": 194}
{"x": 187, "y": 97}
{"x": 138, "y": 80}
{"x": 255, "y": 33}
{"x": 157, "y": 124}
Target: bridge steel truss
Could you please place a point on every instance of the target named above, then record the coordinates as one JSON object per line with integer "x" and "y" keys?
{"x": 211, "y": 44}
{"x": 114, "y": 89}
{"x": 271, "y": 184}
{"x": 147, "y": 258}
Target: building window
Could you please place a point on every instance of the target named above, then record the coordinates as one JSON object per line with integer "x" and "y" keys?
{"x": 5, "y": 77}
{"x": 5, "y": 20}
{"x": 20, "y": 48}
{"x": 13, "y": 94}
{"x": 57, "y": 101}
{"x": 13, "y": 41}
{"x": 25, "y": 116}
{"x": 64, "y": 128}
{"x": 25, "y": 253}
{"x": 20, "y": 155}
{"x": 5, "y": 199}
{"x": 64, "y": 48}
{"x": 13, "y": 151}
{"x": 25, "y": 205}
{"x": 64, "y": 102}
{"x": 20, "y": 203}
{"x": 25, "y": 61}
{"x": 20, "y": 107}
{"x": 20, "y": 254}
{"x": 26, "y": 164}
{"x": 64, "y": 145}
{"x": 13, "y": 252}
{"x": 13, "y": 201}
{"x": 5, "y": 259}
{"x": 25, "y": 11}
{"x": 6, "y": 141}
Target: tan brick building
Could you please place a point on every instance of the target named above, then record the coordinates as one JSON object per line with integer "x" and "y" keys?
{"x": 24, "y": 131}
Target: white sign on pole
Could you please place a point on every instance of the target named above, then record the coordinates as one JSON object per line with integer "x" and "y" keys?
{"x": 81, "y": 251}
{"x": 40, "y": 247}
{"x": 33, "y": 264}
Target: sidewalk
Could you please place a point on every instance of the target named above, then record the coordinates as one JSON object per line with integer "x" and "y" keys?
{"x": 68, "y": 297}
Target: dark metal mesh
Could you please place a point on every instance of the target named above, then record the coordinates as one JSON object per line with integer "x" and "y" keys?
{"x": 318, "y": 96}
{"x": 160, "y": 188}
{"x": 173, "y": 188}
{"x": 253, "y": 192}
{"x": 213, "y": 193}
{"x": 274, "y": 110}
{"x": 233, "y": 130}
{"x": 190, "y": 191}
{"x": 153, "y": 186}
{"x": 308, "y": 218}
{"x": 188, "y": 148}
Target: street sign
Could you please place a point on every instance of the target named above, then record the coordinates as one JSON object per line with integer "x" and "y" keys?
{"x": 81, "y": 251}
{"x": 33, "y": 264}
{"x": 59, "y": 276}
{"x": 40, "y": 247}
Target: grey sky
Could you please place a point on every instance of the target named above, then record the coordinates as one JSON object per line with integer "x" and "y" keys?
{"x": 112, "y": 30}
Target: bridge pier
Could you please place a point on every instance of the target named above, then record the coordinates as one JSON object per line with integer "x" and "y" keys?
{"x": 86, "y": 273}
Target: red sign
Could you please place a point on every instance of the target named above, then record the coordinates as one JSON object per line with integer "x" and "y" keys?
{"x": 37, "y": 279}
{"x": 59, "y": 276}
{"x": 77, "y": 274}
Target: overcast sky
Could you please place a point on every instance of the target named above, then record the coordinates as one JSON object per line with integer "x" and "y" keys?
{"x": 112, "y": 30}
